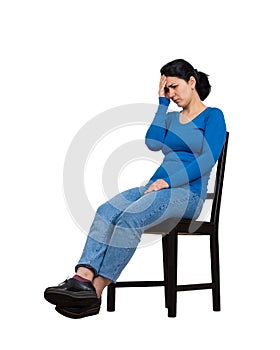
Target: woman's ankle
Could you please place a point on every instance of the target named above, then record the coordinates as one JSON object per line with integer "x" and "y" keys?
{"x": 99, "y": 284}
{"x": 85, "y": 273}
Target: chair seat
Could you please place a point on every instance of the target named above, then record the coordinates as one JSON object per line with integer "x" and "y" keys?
{"x": 183, "y": 227}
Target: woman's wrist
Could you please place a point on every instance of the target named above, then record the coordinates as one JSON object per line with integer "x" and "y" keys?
{"x": 164, "y": 101}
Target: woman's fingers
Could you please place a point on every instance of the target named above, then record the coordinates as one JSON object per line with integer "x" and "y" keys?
{"x": 156, "y": 186}
{"x": 162, "y": 84}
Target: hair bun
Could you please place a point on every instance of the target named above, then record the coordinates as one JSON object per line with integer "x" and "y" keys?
{"x": 196, "y": 73}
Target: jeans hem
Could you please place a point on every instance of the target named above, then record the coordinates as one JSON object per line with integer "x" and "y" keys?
{"x": 88, "y": 267}
{"x": 114, "y": 280}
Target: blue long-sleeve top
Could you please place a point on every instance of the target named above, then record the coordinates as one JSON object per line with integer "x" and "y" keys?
{"x": 190, "y": 150}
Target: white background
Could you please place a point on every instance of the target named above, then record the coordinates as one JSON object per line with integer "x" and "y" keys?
{"x": 63, "y": 62}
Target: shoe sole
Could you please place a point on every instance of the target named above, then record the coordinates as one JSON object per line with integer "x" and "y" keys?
{"x": 70, "y": 314}
{"x": 70, "y": 298}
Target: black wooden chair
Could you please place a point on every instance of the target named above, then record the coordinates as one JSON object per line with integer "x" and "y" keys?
{"x": 170, "y": 247}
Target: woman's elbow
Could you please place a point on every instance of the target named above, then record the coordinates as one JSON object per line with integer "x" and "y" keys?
{"x": 153, "y": 145}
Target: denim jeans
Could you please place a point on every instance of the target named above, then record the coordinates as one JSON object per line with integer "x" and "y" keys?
{"x": 119, "y": 223}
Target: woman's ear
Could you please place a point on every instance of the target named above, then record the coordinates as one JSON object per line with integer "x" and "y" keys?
{"x": 192, "y": 82}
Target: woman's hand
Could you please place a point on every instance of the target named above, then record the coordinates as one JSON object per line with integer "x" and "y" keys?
{"x": 162, "y": 86}
{"x": 156, "y": 186}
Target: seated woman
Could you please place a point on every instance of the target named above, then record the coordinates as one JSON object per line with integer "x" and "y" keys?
{"x": 191, "y": 140}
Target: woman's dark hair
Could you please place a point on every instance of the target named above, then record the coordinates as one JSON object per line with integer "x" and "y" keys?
{"x": 182, "y": 69}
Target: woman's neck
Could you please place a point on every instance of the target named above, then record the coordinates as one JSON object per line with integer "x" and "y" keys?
{"x": 194, "y": 108}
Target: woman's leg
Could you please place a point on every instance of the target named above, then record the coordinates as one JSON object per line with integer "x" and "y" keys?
{"x": 75, "y": 298}
{"x": 143, "y": 213}
{"x": 101, "y": 231}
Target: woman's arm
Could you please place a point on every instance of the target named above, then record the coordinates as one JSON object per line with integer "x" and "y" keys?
{"x": 156, "y": 133}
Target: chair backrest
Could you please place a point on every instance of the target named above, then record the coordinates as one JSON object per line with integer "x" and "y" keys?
{"x": 218, "y": 187}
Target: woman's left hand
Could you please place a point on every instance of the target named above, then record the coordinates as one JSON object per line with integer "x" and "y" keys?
{"x": 156, "y": 186}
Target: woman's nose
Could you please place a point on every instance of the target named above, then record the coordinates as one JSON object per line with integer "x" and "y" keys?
{"x": 171, "y": 93}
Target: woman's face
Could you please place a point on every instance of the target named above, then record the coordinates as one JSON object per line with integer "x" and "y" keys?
{"x": 180, "y": 91}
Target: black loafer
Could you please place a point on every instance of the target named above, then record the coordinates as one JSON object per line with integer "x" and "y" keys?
{"x": 72, "y": 293}
{"x": 79, "y": 312}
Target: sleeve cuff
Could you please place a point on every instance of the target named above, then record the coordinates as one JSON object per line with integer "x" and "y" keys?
{"x": 166, "y": 179}
{"x": 164, "y": 101}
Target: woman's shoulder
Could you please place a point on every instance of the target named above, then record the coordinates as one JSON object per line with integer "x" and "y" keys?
{"x": 215, "y": 118}
{"x": 214, "y": 112}
{"x": 210, "y": 116}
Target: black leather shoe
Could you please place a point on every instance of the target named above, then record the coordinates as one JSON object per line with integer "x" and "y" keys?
{"x": 79, "y": 312}
{"x": 72, "y": 293}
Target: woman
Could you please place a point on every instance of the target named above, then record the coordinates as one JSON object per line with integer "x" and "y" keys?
{"x": 191, "y": 140}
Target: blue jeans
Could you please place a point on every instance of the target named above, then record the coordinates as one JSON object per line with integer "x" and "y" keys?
{"x": 119, "y": 223}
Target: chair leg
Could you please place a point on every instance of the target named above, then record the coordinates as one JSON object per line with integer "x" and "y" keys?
{"x": 165, "y": 264}
{"x": 111, "y": 297}
{"x": 172, "y": 241}
{"x": 215, "y": 270}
